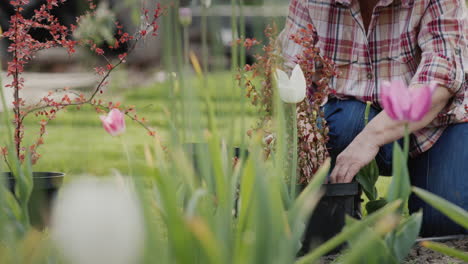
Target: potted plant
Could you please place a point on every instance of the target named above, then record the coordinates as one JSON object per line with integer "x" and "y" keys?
{"x": 18, "y": 157}
{"x": 303, "y": 94}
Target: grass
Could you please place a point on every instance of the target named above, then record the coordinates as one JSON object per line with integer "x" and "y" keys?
{"x": 77, "y": 144}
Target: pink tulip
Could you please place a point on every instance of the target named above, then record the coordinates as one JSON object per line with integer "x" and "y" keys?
{"x": 403, "y": 104}
{"x": 114, "y": 122}
{"x": 185, "y": 16}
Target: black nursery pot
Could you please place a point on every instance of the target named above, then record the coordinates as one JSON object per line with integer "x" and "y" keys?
{"x": 46, "y": 186}
{"x": 328, "y": 218}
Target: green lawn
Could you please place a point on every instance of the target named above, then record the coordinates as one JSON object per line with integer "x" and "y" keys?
{"x": 77, "y": 144}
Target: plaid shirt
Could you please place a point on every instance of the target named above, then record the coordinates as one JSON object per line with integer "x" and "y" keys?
{"x": 416, "y": 41}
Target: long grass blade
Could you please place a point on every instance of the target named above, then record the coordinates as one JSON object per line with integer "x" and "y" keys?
{"x": 441, "y": 248}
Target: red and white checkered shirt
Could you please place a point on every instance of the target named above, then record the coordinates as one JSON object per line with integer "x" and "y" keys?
{"x": 416, "y": 41}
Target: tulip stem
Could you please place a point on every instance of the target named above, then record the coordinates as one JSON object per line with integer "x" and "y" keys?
{"x": 127, "y": 156}
{"x": 186, "y": 46}
{"x": 204, "y": 25}
{"x": 185, "y": 98}
{"x": 406, "y": 142}
{"x": 294, "y": 154}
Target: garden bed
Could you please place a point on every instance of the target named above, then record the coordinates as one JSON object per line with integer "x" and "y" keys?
{"x": 423, "y": 255}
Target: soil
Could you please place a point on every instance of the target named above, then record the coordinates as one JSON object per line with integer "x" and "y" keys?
{"x": 421, "y": 255}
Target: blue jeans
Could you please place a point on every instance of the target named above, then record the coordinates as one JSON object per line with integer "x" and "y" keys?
{"x": 442, "y": 170}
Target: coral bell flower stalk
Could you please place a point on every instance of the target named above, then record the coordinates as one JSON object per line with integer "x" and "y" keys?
{"x": 291, "y": 90}
{"x": 114, "y": 122}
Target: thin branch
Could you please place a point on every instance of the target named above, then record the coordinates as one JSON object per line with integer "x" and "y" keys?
{"x": 96, "y": 90}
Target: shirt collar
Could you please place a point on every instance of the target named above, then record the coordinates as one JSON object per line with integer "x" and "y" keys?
{"x": 404, "y": 3}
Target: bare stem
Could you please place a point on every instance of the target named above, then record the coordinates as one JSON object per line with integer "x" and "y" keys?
{"x": 16, "y": 81}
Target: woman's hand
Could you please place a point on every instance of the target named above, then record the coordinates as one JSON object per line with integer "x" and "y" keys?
{"x": 358, "y": 154}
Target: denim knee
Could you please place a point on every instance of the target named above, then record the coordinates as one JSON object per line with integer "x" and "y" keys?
{"x": 442, "y": 170}
{"x": 345, "y": 119}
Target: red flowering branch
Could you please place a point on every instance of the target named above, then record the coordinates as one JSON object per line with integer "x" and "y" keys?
{"x": 263, "y": 68}
{"x": 24, "y": 46}
{"x": 312, "y": 126}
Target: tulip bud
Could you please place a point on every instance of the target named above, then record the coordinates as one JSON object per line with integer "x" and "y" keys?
{"x": 403, "y": 104}
{"x": 291, "y": 90}
{"x": 185, "y": 16}
{"x": 114, "y": 122}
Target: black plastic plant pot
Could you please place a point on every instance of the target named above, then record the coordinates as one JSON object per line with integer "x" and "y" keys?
{"x": 328, "y": 218}
{"x": 46, "y": 186}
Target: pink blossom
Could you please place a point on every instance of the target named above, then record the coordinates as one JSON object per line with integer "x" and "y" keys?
{"x": 185, "y": 16}
{"x": 114, "y": 122}
{"x": 403, "y": 104}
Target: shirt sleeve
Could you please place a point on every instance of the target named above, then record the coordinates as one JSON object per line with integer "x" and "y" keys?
{"x": 298, "y": 18}
{"x": 443, "y": 45}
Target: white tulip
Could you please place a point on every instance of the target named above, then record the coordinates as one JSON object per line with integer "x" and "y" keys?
{"x": 291, "y": 90}
{"x": 97, "y": 221}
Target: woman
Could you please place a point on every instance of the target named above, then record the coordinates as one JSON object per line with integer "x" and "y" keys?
{"x": 414, "y": 41}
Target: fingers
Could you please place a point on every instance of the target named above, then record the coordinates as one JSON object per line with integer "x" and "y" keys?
{"x": 333, "y": 176}
{"x": 352, "y": 171}
{"x": 340, "y": 177}
{"x": 338, "y": 174}
{"x": 344, "y": 172}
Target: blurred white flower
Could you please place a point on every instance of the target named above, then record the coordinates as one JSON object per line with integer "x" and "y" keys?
{"x": 206, "y": 3}
{"x": 96, "y": 221}
{"x": 291, "y": 90}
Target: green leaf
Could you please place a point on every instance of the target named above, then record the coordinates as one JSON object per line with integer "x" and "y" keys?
{"x": 452, "y": 211}
{"x": 246, "y": 195}
{"x": 304, "y": 205}
{"x": 406, "y": 235}
{"x": 368, "y": 241}
{"x": 441, "y": 248}
{"x": 194, "y": 201}
{"x": 11, "y": 204}
{"x": 314, "y": 185}
{"x": 375, "y": 205}
{"x": 202, "y": 232}
{"x": 400, "y": 187}
{"x": 367, "y": 177}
